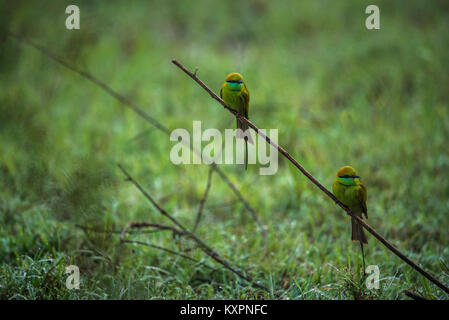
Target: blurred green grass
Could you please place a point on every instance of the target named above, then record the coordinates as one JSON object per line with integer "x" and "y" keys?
{"x": 338, "y": 93}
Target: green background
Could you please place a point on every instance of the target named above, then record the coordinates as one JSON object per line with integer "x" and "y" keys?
{"x": 338, "y": 93}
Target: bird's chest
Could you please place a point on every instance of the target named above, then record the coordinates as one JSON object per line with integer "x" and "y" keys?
{"x": 348, "y": 196}
{"x": 233, "y": 99}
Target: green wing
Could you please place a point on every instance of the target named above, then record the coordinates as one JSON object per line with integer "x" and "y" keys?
{"x": 245, "y": 100}
{"x": 221, "y": 92}
{"x": 361, "y": 196}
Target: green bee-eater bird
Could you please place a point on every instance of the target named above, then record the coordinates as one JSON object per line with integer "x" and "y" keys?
{"x": 236, "y": 96}
{"x": 351, "y": 192}
{"x": 348, "y": 188}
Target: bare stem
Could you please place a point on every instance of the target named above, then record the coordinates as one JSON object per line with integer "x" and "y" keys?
{"x": 169, "y": 251}
{"x": 156, "y": 227}
{"x": 315, "y": 181}
{"x": 137, "y": 225}
{"x": 414, "y": 296}
{"x": 203, "y": 199}
{"x": 204, "y": 247}
{"x": 140, "y": 112}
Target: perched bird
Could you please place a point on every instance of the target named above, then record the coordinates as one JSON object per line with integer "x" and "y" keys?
{"x": 351, "y": 192}
{"x": 236, "y": 96}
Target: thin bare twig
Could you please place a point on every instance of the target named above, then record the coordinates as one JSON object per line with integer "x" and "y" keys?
{"x": 157, "y": 226}
{"x": 137, "y": 225}
{"x": 84, "y": 228}
{"x": 203, "y": 200}
{"x": 204, "y": 247}
{"x": 414, "y": 296}
{"x": 315, "y": 181}
{"x": 247, "y": 205}
{"x": 169, "y": 251}
{"x": 140, "y": 112}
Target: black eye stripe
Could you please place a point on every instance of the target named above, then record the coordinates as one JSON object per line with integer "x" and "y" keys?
{"x": 235, "y": 81}
{"x": 347, "y": 176}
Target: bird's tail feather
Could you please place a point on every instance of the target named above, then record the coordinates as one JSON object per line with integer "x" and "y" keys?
{"x": 243, "y": 126}
{"x": 357, "y": 232}
{"x": 246, "y": 153}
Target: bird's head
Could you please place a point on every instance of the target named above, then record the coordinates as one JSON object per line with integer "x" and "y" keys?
{"x": 234, "y": 81}
{"x": 347, "y": 176}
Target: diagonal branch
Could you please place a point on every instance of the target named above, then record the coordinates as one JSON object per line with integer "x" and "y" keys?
{"x": 140, "y": 112}
{"x": 206, "y": 249}
{"x": 247, "y": 205}
{"x": 316, "y": 182}
{"x": 203, "y": 200}
{"x": 414, "y": 295}
{"x": 135, "y": 225}
{"x": 169, "y": 251}
{"x": 156, "y": 227}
